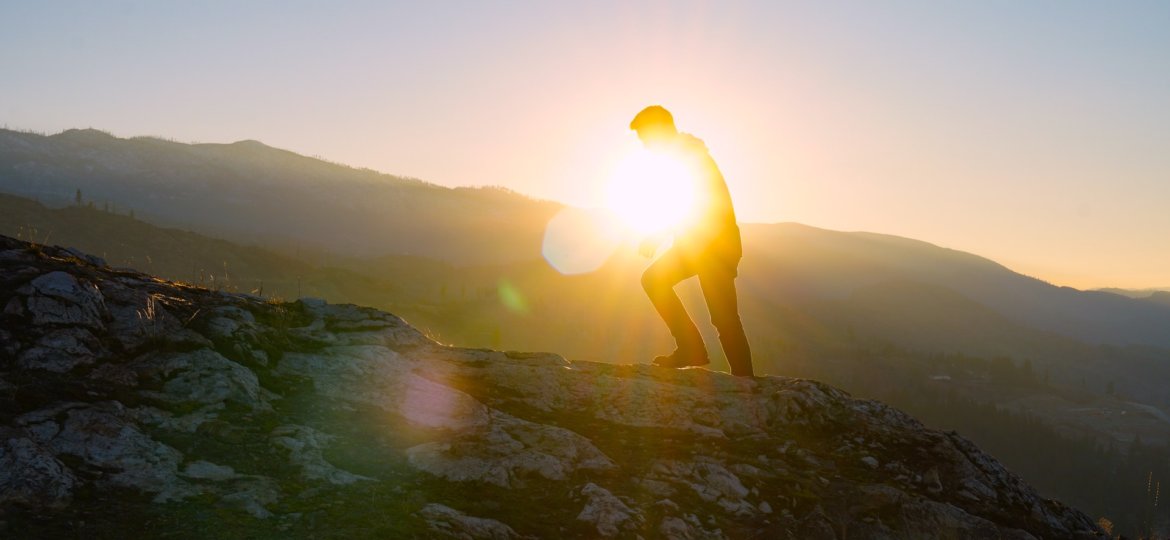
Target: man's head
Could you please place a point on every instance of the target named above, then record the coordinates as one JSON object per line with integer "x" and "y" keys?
{"x": 654, "y": 125}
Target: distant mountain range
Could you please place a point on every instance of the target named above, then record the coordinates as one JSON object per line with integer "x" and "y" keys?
{"x": 1160, "y": 296}
{"x": 251, "y": 192}
{"x": 804, "y": 261}
{"x": 248, "y": 192}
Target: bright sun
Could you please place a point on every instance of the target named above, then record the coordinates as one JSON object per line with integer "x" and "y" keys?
{"x": 651, "y": 191}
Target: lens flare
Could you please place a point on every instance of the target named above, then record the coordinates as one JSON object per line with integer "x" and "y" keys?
{"x": 511, "y": 297}
{"x": 578, "y": 241}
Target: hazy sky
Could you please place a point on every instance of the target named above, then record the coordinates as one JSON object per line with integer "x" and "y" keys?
{"x": 1033, "y": 133}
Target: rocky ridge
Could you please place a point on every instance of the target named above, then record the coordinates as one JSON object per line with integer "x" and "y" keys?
{"x": 129, "y": 404}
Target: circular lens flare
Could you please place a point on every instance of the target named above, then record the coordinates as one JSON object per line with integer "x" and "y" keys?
{"x": 578, "y": 241}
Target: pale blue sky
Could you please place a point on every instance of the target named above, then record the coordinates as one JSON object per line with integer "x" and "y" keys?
{"x": 1034, "y": 133}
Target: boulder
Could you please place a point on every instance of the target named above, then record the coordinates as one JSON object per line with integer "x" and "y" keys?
{"x": 59, "y": 298}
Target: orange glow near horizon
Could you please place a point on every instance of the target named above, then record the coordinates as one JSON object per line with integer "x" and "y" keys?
{"x": 910, "y": 121}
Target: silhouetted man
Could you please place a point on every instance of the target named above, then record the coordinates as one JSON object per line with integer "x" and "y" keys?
{"x": 707, "y": 245}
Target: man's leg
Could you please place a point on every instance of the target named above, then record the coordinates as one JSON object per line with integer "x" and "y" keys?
{"x": 659, "y": 280}
{"x": 718, "y": 284}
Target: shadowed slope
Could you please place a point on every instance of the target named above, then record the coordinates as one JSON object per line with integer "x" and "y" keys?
{"x": 131, "y": 402}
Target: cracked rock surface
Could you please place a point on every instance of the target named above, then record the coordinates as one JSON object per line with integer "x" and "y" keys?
{"x": 132, "y": 406}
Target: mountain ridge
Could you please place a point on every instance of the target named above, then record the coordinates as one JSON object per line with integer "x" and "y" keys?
{"x": 262, "y": 194}
{"x": 854, "y": 260}
{"x": 292, "y": 202}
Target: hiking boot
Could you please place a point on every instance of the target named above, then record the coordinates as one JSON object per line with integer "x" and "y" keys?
{"x": 680, "y": 359}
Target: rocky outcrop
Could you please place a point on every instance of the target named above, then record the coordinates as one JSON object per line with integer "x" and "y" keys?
{"x": 131, "y": 405}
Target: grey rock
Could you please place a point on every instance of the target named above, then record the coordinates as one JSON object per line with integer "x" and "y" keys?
{"x": 91, "y": 259}
{"x": 102, "y": 436}
{"x": 450, "y": 523}
{"x": 931, "y": 481}
{"x": 304, "y": 446}
{"x": 816, "y": 526}
{"x": 710, "y": 480}
{"x": 183, "y": 423}
{"x": 59, "y": 298}
{"x": 253, "y": 495}
{"x": 203, "y": 376}
{"x": 223, "y": 327}
{"x": 206, "y": 470}
{"x": 31, "y": 474}
{"x": 376, "y": 376}
{"x": 14, "y": 255}
{"x": 44, "y": 431}
{"x": 61, "y": 350}
{"x": 607, "y": 513}
{"x": 674, "y": 527}
{"x": 138, "y": 318}
{"x": 507, "y": 451}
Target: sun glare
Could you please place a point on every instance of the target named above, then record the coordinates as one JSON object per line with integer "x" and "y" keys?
{"x": 651, "y": 191}
{"x": 648, "y": 192}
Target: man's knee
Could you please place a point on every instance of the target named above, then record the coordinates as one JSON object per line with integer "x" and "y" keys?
{"x": 650, "y": 281}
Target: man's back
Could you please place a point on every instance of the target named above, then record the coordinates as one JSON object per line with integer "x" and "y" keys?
{"x": 711, "y": 230}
